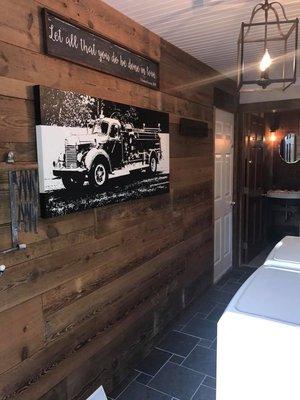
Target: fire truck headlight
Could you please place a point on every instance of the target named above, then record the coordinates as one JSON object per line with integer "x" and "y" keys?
{"x": 79, "y": 157}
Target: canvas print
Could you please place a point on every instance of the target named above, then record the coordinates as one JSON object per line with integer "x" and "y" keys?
{"x": 93, "y": 152}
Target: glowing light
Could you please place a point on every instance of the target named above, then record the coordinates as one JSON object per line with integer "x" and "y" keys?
{"x": 266, "y": 61}
{"x": 272, "y": 137}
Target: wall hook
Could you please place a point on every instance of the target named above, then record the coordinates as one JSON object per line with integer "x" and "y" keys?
{"x": 10, "y": 159}
{"x": 2, "y": 269}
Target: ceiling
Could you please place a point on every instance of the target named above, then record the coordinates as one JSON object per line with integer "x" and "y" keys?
{"x": 206, "y": 29}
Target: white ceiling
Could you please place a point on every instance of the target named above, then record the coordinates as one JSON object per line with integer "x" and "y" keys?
{"x": 206, "y": 29}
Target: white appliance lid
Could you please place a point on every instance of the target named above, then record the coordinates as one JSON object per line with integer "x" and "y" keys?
{"x": 273, "y": 293}
{"x": 287, "y": 250}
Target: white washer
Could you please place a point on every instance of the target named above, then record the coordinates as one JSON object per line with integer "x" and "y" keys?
{"x": 286, "y": 253}
{"x": 258, "y": 350}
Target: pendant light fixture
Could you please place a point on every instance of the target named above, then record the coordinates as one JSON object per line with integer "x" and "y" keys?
{"x": 267, "y": 47}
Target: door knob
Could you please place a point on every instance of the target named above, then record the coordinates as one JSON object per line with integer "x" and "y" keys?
{"x": 232, "y": 203}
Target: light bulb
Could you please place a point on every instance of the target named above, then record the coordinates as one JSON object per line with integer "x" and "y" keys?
{"x": 266, "y": 61}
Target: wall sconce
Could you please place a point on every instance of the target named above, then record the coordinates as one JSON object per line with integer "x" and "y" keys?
{"x": 272, "y": 137}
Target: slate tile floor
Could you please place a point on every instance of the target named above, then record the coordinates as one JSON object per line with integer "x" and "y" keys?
{"x": 183, "y": 365}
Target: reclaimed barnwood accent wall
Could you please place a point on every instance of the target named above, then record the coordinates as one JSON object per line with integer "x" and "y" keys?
{"x": 93, "y": 289}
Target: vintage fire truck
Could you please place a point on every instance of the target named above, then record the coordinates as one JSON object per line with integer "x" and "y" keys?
{"x": 108, "y": 149}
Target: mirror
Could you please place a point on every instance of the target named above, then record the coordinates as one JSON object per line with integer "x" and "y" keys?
{"x": 289, "y": 148}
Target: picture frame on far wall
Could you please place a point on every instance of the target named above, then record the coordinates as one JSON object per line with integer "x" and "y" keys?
{"x": 93, "y": 152}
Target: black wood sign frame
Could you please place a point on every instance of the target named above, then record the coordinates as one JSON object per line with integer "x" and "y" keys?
{"x": 73, "y": 42}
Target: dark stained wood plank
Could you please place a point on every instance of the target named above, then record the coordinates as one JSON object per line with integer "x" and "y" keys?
{"x": 101, "y": 342}
{"x": 121, "y": 216}
{"x": 108, "y": 280}
{"x": 192, "y": 170}
{"x": 24, "y": 152}
{"x": 15, "y": 88}
{"x": 25, "y": 65}
{"x": 31, "y": 278}
{"x": 178, "y": 80}
{"x": 22, "y": 333}
{"x": 16, "y": 120}
{"x": 19, "y": 24}
{"x": 5, "y": 234}
{"x": 5, "y": 167}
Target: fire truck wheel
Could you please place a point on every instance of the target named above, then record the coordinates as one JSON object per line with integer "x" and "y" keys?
{"x": 98, "y": 174}
{"x": 152, "y": 164}
{"x": 72, "y": 183}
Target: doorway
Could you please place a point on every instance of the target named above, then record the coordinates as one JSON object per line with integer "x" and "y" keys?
{"x": 223, "y": 192}
{"x": 267, "y": 168}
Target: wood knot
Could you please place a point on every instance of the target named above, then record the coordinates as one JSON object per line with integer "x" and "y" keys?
{"x": 52, "y": 232}
{"x": 29, "y": 21}
{"x": 24, "y": 353}
{"x": 33, "y": 276}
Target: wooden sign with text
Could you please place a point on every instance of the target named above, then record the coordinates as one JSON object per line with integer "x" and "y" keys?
{"x": 71, "y": 42}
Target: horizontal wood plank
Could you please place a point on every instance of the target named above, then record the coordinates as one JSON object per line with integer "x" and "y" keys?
{"x": 16, "y": 120}
{"x": 99, "y": 286}
{"x": 22, "y": 333}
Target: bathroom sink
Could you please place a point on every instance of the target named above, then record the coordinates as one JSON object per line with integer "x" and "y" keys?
{"x": 284, "y": 194}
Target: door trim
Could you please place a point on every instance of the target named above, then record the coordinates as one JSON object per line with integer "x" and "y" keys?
{"x": 232, "y": 187}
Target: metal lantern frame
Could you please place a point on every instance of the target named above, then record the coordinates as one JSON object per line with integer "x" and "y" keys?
{"x": 268, "y": 8}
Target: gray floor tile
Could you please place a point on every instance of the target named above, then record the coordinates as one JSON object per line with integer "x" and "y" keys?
{"x": 237, "y": 273}
{"x": 186, "y": 316}
{"x": 216, "y": 313}
{"x": 248, "y": 270}
{"x": 205, "y": 393}
{"x": 222, "y": 281}
{"x": 132, "y": 375}
{"x": 202, "y": 360}
{"x": 201, "y": 328}
{"x": 202, "y": 307}
{"x": 218, "y": 296}
{"x": 178, "y": 343}
{"x": 137, "y": 391}
{"x": 231, "y": 287}
{"x": 177, "y": 326}
{"x": 205, "y": 343}
{"x": 153, "y": 362}
{"x": 177, "y": 381}
{"x": 214, "y": 345}
{"x": 177, "y": 359}
{"x": 209, "y": 381}
{"x": 143, "y": 378}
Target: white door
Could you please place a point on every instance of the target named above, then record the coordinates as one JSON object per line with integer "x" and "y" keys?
{"x": 224, "y": 136}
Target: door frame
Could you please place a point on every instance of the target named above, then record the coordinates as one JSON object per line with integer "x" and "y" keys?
{"x": 229, "y": 102}
{"x": 239, "y": 152}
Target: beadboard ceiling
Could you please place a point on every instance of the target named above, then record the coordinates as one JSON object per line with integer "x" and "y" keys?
{"x": 206, "y": 29}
